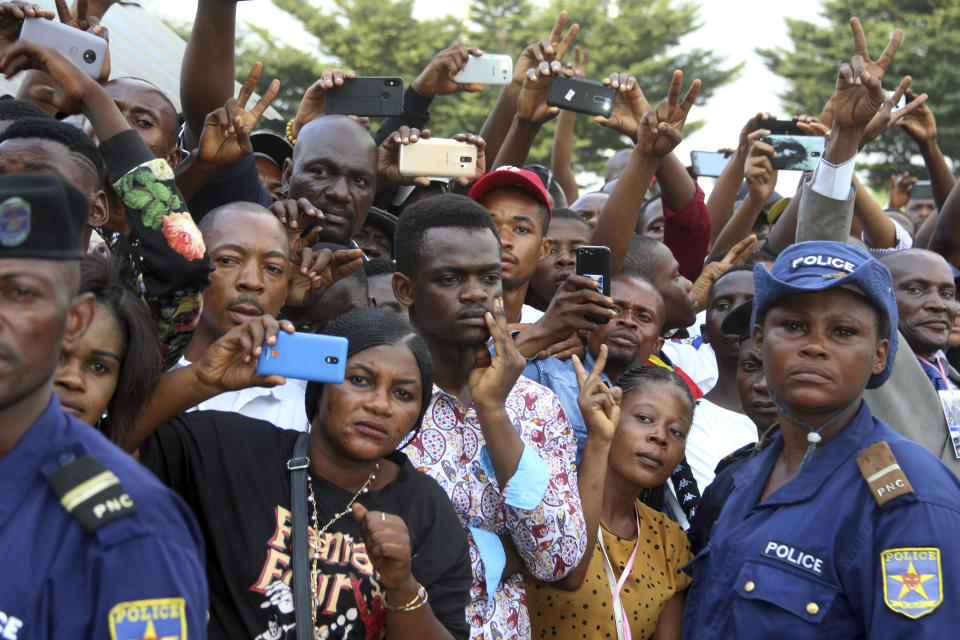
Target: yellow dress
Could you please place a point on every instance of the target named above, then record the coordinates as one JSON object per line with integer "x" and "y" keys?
{"x": 587, "y": 613}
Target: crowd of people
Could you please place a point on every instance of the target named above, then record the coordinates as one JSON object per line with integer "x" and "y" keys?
{"x": 755, "y": 433}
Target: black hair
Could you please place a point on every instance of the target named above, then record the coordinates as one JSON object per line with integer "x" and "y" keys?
{"x": 111, "y": 283}
{"x": 636, "y": 379}
{"x": 379, "y": 267}
{"x": 640, "y": 256}
{"x": 570, "y": 214}
{"x": 14, "y": 109}
{"x": 734, "y": 269}
{"x": 69, "y": 136}
{"x": 557, "y": 196}
{"x": 633, "y": 380}
{"x": 368, "y": 328}
{"x": 446, "y": 210}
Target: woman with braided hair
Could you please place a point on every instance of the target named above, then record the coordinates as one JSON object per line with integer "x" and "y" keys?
{"x": 386, "y": 555}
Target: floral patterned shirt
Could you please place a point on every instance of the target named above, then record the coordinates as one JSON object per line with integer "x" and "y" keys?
{"x": 173, "y": 268}
{"x": 548, "y": 530}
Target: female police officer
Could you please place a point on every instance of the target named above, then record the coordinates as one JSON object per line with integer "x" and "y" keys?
{"x": 841, "y": 528}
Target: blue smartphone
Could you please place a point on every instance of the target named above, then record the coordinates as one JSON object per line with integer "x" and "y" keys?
{"x": 307, "y": 356}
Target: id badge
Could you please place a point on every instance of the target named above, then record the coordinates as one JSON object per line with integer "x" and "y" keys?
{"x": 951, "y": 411}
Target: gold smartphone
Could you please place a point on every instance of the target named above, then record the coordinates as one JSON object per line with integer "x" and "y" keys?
{"x": 438, "y": 157}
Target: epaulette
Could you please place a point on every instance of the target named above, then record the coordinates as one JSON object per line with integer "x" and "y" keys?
{"x": 90, "y": 492}
{"x": 882, "y": 473}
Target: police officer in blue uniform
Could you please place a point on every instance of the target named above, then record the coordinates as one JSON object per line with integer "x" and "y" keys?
{"x": 91, "y": 544}
{"x": 840, "y": 528}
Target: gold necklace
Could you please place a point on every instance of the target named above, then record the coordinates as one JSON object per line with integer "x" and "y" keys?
{"x": 315, "y": 540}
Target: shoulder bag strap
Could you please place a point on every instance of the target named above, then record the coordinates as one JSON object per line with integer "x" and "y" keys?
{"x": 301, "y": 563}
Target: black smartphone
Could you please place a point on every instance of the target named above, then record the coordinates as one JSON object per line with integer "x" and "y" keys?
{"x": 580, "y": 95}
{"x": 781, "y": 127}
{"x": 709, "y": 163}
{"x": 795, "y": 153}
{"x": 594, "y": 262}
{"x": 367, "y": 96}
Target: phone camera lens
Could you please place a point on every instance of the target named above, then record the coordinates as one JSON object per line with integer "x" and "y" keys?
{"x": 332, "y": 360}
{"x": 465, "y": 158}
{"x": 89, "y": 56}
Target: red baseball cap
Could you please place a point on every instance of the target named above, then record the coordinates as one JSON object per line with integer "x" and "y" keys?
{"x": 512, "y": 177}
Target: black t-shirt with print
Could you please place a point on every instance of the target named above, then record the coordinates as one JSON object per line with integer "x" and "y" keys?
{"x": 232, "y": 472}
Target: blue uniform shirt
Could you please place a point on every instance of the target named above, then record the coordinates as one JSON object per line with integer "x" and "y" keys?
{"x": 139, "y": 575}
{"x": 819, "y": 558}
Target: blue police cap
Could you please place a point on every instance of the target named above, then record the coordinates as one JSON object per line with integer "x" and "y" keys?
{"x": 41, "y": 216}
{"x": 819, "y": 265}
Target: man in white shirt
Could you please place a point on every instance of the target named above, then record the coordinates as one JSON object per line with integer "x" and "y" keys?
{"x": 249, "y": 248}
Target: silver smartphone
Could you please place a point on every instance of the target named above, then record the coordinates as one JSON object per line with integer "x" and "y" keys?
{"x": 83, "y": 49}
{"x": 709, "y": 164}
{"x": 490, "y": 68}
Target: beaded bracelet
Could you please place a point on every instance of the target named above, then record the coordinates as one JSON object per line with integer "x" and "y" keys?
{"x": 290, "y": 136}
{"x": 419, "y": 600}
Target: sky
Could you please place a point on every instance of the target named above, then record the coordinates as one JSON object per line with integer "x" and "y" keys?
{"x": 733, "y": 28}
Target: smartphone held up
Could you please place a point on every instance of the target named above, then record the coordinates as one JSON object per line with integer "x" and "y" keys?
{"x": 594, "y": 262}
{"x": 306, "y": 356}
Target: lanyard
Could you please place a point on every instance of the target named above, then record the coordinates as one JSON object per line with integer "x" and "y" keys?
{"x": 619, "y": 613}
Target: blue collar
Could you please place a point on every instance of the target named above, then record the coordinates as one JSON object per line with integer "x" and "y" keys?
{"x": 588, "y": 362}
{"x": 20, "y": 466}
{"x": 751, "y": 478}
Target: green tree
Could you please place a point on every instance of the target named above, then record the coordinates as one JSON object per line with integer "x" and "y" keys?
{"x": 931, "y": 38}
{"x": 295, "y": 68}
{"x": 381, "y": 37}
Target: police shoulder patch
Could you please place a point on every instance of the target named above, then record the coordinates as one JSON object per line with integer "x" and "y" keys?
{"x": 155, "y": 618}
{"x": 90, "y": 492}
{"x": 14, "y": 221}
{"x": 882, "y": 472}
{"x": 912, "y": 584}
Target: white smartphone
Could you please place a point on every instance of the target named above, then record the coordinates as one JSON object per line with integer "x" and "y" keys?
{"x": 83, "y": 49}
{"x": 438, "y": 157}
{"x": 490, "y": 68}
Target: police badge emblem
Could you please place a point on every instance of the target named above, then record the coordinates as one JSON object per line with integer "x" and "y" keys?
{"x": 156, "y": 618}
{"x": 14, "y": 221}
{"x": 912, "y": 583}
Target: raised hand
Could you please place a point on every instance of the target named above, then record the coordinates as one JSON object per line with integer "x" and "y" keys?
{"x": 738, "y": 254}
{"x": 532, "y": 104}
{"x": 225, "y": 139}
{"x": 858, "y": 94}
{"x": 548, "y": 49}
{"x": 437, "y": 77}
{"x": 313, "y": 105}
{"x": 388, "y": 156}
{"x": 11, "y": 19}
{"x": 753, "y": 124}
{"x": 492, "y": 378}
{"x": 919, "y": 122}
{"x": 887, "y": 117}
{"x": 629, "y": 105}
{"x": 230, "y": 363}
{"x": 661, "y": 129}
{"x": 758, "y": 171}
{"x": 900, "y": 188}
{"x": 314, "y": 272}
{"x": 70, "y": 86}
{"x": 599, "y": 404}
{"x": 301, "y": 220}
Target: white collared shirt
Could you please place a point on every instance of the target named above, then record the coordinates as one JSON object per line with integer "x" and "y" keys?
{"x": 282, "y": 406}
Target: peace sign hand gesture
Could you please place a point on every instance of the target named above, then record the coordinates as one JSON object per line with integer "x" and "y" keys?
{"x": 660, "y": 130}
{"x": 599, "y": 403}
